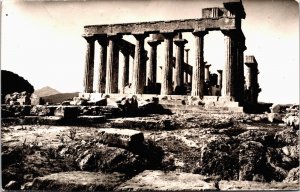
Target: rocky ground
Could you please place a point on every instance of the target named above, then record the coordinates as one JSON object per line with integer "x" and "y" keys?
{"x": 176, "y": 152}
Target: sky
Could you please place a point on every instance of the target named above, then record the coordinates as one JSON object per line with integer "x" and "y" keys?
{"x": 41, "y": 40}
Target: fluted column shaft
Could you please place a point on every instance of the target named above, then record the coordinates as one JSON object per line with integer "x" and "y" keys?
{"x": 207, "y": 73}
{"x": 186, "y": 58}
{"x": 178, "y": 71}
{"x": 166, "y": 85}
{"x": 137, "y": 76}
{"x": 229, "y": 73}
{"x": 89, "y": 65}
{"x": 240, "y": 71}
{"x": 124, "y": 76}
{"x": 102, "y": 65}
{"x": 198, "y": 69}
{"x": 112, "y": 67}
{"x": 152, "y": 67}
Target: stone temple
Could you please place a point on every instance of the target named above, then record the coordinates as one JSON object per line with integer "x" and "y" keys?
{"x": 231, "y": 87}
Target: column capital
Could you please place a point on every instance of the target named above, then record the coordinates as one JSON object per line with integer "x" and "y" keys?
{"x": 168, "y": 35}
{"x": 220, "y": 71}
{"x": 180, "y": 42}
{"x": 154, "y": 43}
{"x": 140, "y": 36}
{"x": 207, "y": 65}
{"x": 89, "y": 38}
{"x": 103, "y": 41}
{"x": 231, "y": 32}
{"x": 187, "y": 50}
{"x": 200, "y": 33}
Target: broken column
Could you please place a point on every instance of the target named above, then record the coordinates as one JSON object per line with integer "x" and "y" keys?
{"x": 112, "y": 67}
{"x": 229, "y": 71}
{"x": 178, "y": 70}
{"x": 102, "y": 64}
{"x": 186, "y": 60}
{"x": 252, "y": 85}
{"x": 137, "y": 76}
{"x": 166, "y": 85}
{"x": 198, "y": 69}
{"x": 89, "y": 64}
{"x": 220, "y": 78}
{"x": 207, "y": 73}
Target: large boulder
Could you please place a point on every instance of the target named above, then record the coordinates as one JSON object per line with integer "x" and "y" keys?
{"x": 293, "y": 175}
{"x": 263, "y": 137}
{"x": 288, "y": 136}
{"x": 67, "y": 112}
{"x": 251, "y": 160}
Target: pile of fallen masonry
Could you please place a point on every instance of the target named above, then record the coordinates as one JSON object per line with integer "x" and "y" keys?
{"x": 215, "y": 152}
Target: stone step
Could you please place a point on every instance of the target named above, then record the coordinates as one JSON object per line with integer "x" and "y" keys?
{"x": 153, "y": 180}
{"x": 78, "y": 181}
{"x": 199, "y": 108}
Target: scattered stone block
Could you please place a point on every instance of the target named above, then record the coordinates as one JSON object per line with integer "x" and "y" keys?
{"x": 67, "y": 112}
{"x": 78, "y": 181}
{"x": 293, "y": 176}
{"x": 40, "y": 110}
{"x": 125, "y": 138}
{"x": 274, "y": 117}
{"x": 171, "y": 181}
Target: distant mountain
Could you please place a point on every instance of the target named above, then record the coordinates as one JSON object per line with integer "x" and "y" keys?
{"x": 60, "y": 97}
{"x": 45, "y": 91}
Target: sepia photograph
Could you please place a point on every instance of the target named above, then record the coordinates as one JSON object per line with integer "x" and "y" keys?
{"x": 150, "y": 95}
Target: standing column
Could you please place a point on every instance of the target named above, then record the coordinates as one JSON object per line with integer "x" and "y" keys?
{"x": 137, "y": 76}
{"x": 89, "y": 65}
{"x": 240, "y": 70}
{"x": 220, "y": 80}
{"x": 166, "y": 85}
{"x": 102, "y": 65}
{"x": 152, "y": 67}
{"x": 251, "y": 79}
{"x": 207, "y": 73}
{"x": 228, "y": 84}
{"x": 124, "y": 77}
{"x": 186, "y": 75}
{"x": 198, "y": 69}
{"x": 178, "y": 71}
{"x": 112, "y": 67}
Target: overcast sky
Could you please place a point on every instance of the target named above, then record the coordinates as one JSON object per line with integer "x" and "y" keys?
{"x": 41, "y": 40}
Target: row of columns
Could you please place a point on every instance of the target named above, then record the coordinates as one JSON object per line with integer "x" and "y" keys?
{"x": 232, "y": 77}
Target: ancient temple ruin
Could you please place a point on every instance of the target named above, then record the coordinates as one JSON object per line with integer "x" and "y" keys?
{"x": 178, "y": 76}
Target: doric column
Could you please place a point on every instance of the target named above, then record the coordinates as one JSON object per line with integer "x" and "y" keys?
{"x": 207, "y": 73}
{"x": 152, "y": 67}
{"x": 186, "y": 60}
{"x": 178, "y": 71}
{"x": 240, "y": 69}
{"x": 124, "y": 65}
{"x": 89, "y": 65}
{"x": 251, "y": 79}
{"x": 198, "y": 69}
{"x": 112, "y": 67}
{"x": 138, "y": 75}
{"x": 229, "y": 72}
{"x": 102, "y": 65}
{"x": 166, "y": 85}
{"x": 220, "y": 78}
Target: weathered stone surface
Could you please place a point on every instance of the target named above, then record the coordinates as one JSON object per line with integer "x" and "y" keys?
{"x": 78, "y": 181}
{"x": 274, "y": 117}
{"x": 275, "y": 108}
{"x": 293, "y": 176}
{"x": 255, "y": 135}
{"x": 251, "y": 160}
{"x": 67, "y": 111}
{"x": 287, "y": 136}
{"x": 41, "y": 110}
{"x": 125, "y": 138}
{"x": 98, "y": 102}
{"x": 166, "y": 181}
{"x": 254, "y": 186}
{"x": 292, "y": 151}
{"x": 219, "y": 158}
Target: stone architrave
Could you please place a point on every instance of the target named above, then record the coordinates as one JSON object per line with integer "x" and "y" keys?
{"x": 89, "y": 64}
{"x": 152, "y": 67}
{"x": 198, "y": 69}
{"x": 178, "y": 70}
{"x": 186, "y": 60}
{"x": 166, "y": 85}
{"x": 102, "y": 65}
{"x": 112, "y": 67}
{"x": 229, "y": 72}
{"x": 137, "y": 76}
{"x": 124, "y": 76}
